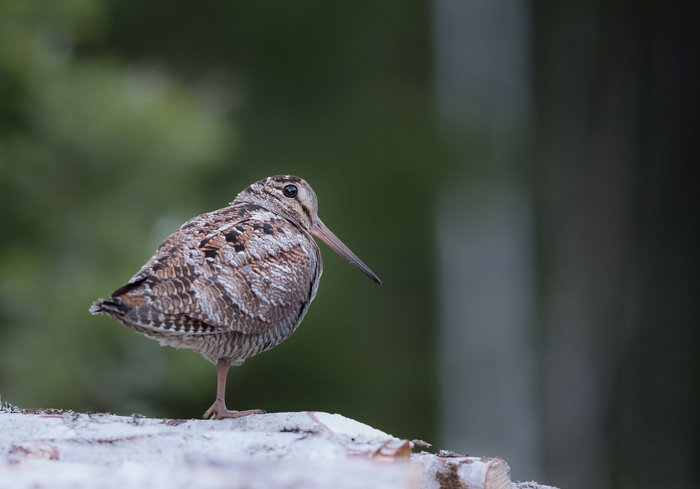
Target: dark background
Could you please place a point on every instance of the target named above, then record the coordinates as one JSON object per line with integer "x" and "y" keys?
{"x": 120, "y": 120}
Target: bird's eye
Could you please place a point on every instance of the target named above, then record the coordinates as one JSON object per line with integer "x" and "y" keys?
{"x": 290, "y": 191}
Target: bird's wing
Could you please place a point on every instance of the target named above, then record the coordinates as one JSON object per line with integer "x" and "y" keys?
{"x": 245, "y": 275}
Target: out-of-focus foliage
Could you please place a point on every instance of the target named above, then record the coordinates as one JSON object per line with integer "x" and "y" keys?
{"x": 99, "y": 160}
{"x": 117, "y": 127}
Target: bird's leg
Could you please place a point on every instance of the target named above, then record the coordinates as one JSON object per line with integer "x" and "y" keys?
{"x": 218, "y": 409}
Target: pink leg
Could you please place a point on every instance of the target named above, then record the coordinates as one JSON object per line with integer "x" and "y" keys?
{"x": 218, "y": 409}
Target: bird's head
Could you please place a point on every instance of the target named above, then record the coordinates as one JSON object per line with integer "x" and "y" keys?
{"x": 294, "y": 199}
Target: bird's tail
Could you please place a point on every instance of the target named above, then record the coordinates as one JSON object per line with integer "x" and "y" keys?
{"x": 111, "y": 307}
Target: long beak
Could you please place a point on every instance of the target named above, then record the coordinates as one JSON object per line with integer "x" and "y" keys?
{"x": 320, "y": 230}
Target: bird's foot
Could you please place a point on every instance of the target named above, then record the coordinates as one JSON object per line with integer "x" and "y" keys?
{"x": 218, "y": 411}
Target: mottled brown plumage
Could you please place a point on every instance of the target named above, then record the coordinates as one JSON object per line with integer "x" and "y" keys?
{"x": 234, "y": 282}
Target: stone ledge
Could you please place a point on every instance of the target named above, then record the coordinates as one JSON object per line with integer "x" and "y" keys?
{"x": 57, "y": 449}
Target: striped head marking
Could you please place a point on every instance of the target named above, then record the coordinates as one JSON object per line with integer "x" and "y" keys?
{"x": 292, "y": 198}
{"x": 286, "y": 195}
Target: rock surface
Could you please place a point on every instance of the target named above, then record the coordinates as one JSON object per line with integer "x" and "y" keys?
{"x": 63, "y": 449}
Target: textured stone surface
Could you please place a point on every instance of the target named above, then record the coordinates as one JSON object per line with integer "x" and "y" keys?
{"x": 42, "y": 449}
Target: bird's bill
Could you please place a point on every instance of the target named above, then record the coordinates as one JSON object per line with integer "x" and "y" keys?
{"x": 320, "y": 230}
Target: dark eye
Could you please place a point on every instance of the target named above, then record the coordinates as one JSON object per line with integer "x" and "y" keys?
{"x": 290, "y": 191}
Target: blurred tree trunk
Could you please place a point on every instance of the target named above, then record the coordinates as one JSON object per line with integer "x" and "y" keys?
{"x": 485, "y": 229}
{"x": 617, "y": 93}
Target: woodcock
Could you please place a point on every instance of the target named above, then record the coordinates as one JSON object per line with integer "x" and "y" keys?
{"x": 234, "y": 282}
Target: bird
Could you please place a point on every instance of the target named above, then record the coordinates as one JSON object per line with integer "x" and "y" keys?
{"x": 235, "y": 282}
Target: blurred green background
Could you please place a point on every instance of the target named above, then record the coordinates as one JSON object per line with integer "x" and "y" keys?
{"x": 121, "y": 120}
{"x": 436, "y": 135}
